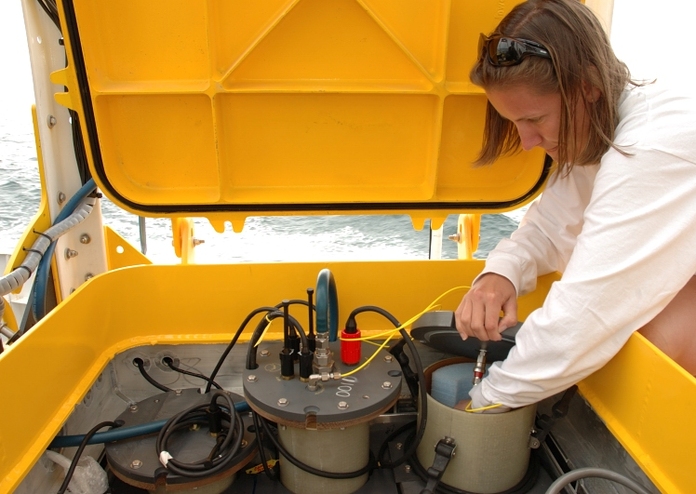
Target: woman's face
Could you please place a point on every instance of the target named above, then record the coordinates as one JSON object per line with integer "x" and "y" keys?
{"x": 536, "y": 116}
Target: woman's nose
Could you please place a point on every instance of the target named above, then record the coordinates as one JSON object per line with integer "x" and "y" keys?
{"x": 529, "y": 137}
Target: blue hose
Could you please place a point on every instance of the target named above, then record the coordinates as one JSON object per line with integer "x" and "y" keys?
{"x": 38, "y": 307}
{"x": 327, "y": 304}
{"x": 121, "y": 433}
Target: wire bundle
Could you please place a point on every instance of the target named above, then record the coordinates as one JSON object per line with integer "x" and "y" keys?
{"x": 228, "y": 439}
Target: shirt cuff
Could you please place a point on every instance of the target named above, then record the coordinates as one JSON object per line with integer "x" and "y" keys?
{"x": 504, "y": 269}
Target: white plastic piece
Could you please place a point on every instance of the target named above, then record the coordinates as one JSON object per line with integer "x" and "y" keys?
{"x": 164, "y": 458}
{"x": 88, "y": 478}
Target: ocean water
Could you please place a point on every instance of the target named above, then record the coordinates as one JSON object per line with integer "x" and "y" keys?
{"x": 264, "y": 239}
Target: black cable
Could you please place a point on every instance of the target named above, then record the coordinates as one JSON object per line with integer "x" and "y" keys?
{"x": 79, "y": 147}
{"x": 261, "y": 327}
{"x": 226, "y": 447}
{"x": 255, "y": 337}
{"x": 170, "y": 363}
{"x": 309, "y": 469}
{"x": 231, "y": 344}
{"x": 293, "y": 322}
{"x": 51, "y": 10}
{"x": 259, "y": 439}
{"x": 378, "y": 310}
{"x": 80, "y": 449}
{"x": 422, "y": 395}
{"x": 138, "y": 362}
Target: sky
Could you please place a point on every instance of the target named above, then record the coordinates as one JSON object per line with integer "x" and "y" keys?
{"x": 649, "y": 36}
{"x": 16, "y": 89}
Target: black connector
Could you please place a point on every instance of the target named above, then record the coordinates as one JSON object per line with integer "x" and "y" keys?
{"x": 351, "y": 326}
{"x": 294, "y": 343}
{"x": 410, "y": 377}
{"x": 287, "y": 363}
{"x": 306, "y": 360}
{"x": 311, "y": 338}
{"x": 214, "y": 415}
{"x": 292, "y": 339}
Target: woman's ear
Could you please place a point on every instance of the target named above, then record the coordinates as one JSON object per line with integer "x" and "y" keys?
{"x": 591, "y": 92}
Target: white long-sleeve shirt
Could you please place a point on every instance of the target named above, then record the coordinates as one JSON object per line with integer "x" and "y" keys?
{"x": 623, "y": 233}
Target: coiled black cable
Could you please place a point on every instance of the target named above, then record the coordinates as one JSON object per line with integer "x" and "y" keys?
{"x": 226, "y": 447}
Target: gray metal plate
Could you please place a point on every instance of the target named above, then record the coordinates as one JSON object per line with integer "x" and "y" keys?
{"x": 335, "y": 403}
{"x": 136, "y": 460}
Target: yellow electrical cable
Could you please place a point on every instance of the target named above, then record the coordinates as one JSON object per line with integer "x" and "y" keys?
{"x": 481, "y": 409}
{"x": 390, "y": 333}
{"x": 368, "y": 342}
{"x": 434, "y": 304}
{"x": 344, "y": 374}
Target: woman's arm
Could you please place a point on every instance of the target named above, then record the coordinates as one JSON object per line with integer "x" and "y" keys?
{"x": 636, "y": 251}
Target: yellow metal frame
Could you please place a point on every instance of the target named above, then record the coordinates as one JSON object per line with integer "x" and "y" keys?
{"x": 645, "y": 399}
{"x": 648, "y": 403}
{"x": 215, "y": 105}
{"x": 120, "y": 253}
{"x": 56, "y": 363}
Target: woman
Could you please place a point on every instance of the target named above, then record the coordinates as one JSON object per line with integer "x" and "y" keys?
{"x": 618, "y": 218}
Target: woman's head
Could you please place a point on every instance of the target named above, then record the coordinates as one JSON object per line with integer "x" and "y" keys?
{"x": 568, "y": 58}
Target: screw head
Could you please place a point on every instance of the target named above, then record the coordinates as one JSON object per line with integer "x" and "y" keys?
{"x": 283, "y": 402}
{"x": 388, "y": 358}
{"x": 252, "y": 378}
{"x": 386, "y": 385}
{"x": 85, "y": 239}
{"x": 135, "y": 464}
{"x": 342, "y": 405}
{"x": 265, "y": 353}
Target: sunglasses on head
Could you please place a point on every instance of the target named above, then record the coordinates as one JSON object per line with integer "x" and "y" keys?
{"x": 503, "y": 51}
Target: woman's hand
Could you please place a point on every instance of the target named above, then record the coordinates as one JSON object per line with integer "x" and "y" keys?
{"x": 479, "y": 313}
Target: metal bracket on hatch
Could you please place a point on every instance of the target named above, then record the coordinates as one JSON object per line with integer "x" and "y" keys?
{"x": 183, "y": 240}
